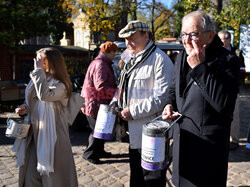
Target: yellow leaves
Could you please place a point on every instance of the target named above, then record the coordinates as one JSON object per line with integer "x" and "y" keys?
{"x": 192, "y": 5}
{"x": 233, "y": 13}
{"x": 98, "y": 15}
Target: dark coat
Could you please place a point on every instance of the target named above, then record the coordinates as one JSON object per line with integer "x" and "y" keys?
{"x": 239, "y": 54}
{"x": 206, "y": 100}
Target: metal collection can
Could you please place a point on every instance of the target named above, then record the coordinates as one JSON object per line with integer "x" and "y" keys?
{"x": 105, "y": 122}
{"x": 153, "y": 145}
{"x": 17, "y": 128}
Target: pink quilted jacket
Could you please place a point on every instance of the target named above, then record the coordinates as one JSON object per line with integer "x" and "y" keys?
{"x": 99, "y": 85}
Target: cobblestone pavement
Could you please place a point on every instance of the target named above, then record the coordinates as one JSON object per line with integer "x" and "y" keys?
{"x": 114, "y": 172}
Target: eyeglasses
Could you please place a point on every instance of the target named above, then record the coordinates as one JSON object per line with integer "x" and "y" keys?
{"x": 193, "y": 35}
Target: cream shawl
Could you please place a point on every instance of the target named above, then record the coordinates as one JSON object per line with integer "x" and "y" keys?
{"x": 46, "y": 135}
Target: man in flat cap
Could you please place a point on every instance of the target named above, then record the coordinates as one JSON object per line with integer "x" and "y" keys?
{"x": 98, "y": 88}
{"x": 144, "y": 81}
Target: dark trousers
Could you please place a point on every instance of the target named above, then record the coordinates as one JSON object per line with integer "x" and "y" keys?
{"x": 95, "y": 145}
{"x": 142, "y": 177}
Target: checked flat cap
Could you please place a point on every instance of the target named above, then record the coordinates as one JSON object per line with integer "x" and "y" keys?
{"x": 132, "y": 27}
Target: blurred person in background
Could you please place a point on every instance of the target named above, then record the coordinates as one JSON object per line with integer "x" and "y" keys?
{"x": 225, "y": 37}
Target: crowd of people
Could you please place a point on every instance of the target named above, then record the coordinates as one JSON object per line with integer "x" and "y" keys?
{"x": 202, "y": 85}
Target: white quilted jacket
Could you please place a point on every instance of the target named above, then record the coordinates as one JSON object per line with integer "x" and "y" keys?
{"x": 147, "y": 90}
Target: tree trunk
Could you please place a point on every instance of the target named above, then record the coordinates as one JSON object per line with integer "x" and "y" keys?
{"x": 218, "y": 5}
{"x": 124, "y": 17}
{"x": 133, "y": 10}
{"x": 152, "y": 19}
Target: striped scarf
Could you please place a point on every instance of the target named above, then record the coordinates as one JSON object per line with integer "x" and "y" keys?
{"x": 127, "y": 71}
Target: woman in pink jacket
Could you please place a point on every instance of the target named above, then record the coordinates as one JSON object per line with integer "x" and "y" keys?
{"x": 98, "y": 88}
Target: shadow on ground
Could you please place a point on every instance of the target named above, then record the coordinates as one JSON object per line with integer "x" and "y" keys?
{"x": 79, "y": 137}
{"x": 3, "y": 139}
{"x": 111, "y": 161}
{"x": 241, "y": 154}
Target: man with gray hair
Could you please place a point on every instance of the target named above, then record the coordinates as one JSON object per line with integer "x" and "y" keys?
{"x": 144, "y": 81}
{"x": 225, "y": 37}
{"x": 204, "y": 90}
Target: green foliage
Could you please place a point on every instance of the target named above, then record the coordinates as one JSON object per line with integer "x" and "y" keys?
{"x": 164, "y": 24}
{"x": 233, "y": 13}
{"x": 23, "y": 19}
{"x": 186, "y": 6}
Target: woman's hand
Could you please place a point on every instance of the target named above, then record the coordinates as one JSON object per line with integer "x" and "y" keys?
{"x": 38, "y": 61}
{"x": 21, "y": 110}
{"x": 168, "y": 112}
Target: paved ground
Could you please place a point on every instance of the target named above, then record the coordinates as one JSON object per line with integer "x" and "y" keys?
{"x": 114, "y": 172}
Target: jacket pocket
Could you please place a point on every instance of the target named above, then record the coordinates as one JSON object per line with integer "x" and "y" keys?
{"x": 143, "y": 73}
{"x": 142, "y": 79}
{"x": 212, "y": 129}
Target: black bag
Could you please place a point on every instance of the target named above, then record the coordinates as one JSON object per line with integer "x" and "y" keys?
{"x": 121, "y": 130}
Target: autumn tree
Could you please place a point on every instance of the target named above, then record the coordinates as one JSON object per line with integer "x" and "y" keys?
{"x": 104, "y": 16}
{"x": 231, "y": 15}
{"x": 218, "y": 5}
{"x": 24, "y": 19}
{"x": 98, "y": 15}
{"x": 159, "y": 17}
{"x": 184, "y": 7}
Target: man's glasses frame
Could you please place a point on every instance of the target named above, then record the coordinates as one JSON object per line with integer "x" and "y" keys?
{"x": 192, "y": 35}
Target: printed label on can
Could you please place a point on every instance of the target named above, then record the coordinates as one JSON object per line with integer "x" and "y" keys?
{"x": 153, "y": 148}
{"x": 105, "y": 123}
{"x": 9, "y": 129}
{"x": 16, "y": 130}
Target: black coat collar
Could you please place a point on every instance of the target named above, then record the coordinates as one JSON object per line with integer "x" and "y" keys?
{"x": 210, "y": 54}
{"x": 214, "y": 48}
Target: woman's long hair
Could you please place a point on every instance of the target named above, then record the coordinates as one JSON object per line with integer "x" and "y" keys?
{"x": 57, "y": 67}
